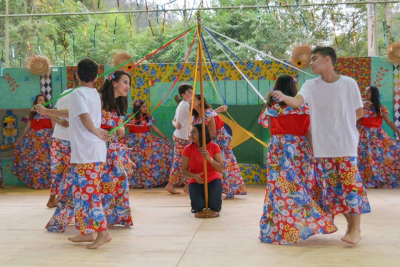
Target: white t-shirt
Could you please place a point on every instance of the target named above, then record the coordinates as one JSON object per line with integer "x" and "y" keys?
{"x": 333, "y": 116}
{"x": 182, "y": 115}
{"x": 85, "y": 146}
{"x": 61, "y": 132}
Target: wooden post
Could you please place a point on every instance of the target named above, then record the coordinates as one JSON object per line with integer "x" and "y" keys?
{"x": 207, "y": 213}
{"x": 203, "y": 128}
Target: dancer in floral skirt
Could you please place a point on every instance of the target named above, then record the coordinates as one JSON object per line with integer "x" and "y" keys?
{"x": 151, "y": 154}
{"x": 33, "y": 148}
{"x": 378, "y": 154}
{"x": 290, "y": 214}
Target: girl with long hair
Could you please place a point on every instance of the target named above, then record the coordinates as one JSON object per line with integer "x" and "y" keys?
{"x": 378, "y": 154}
{"x": 33, "y": 149}
{"x": 290, "y": 213}
{"x": 152, "y": 154}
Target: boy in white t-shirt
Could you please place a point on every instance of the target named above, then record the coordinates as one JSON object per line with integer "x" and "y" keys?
{"x": 335, "y": 106}
{"x": 88, "y": 155}
{"x": 181, "y": 123}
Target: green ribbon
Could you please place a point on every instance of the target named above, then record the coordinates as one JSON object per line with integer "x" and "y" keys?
{"x": 166, "y": 75}
{"x": 106, "y": 73}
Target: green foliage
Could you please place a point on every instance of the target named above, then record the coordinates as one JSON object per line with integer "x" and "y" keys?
{"x": 275, "y": 36}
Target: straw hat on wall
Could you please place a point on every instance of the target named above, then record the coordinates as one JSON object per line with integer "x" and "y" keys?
{"x": 120, "y": 58}
{"x": 394, "y": 53}
{"x": 39, "y": 65}
{"x": 301, "y": 57}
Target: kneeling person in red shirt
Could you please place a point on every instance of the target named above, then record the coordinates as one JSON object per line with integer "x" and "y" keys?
{"x": 192, "y": 168}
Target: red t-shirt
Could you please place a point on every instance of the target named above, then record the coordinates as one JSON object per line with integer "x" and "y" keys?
{"x": 196, "y": 161}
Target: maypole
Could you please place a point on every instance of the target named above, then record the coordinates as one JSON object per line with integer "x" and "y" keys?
{"x": 206, "y": 213}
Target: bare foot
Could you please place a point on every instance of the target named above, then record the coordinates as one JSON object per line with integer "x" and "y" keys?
{"x": 186, "y": 189}
{"x": 353, "y": 237}
{"x": 83, "y": 238}
{"x": 102, "y": 238}
{"x": 110, "y": 226}
{"x": 52, "y": 202}
{"x": 170, "y": 188}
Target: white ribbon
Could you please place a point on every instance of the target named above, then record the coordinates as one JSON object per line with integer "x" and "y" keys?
{"x": 260, "y": 52}
{"x": 251, "y": 85}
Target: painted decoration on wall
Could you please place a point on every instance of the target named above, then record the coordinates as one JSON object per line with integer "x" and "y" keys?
{"x": 9, "y": 131}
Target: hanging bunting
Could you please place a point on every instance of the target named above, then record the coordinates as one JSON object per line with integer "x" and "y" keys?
{"x": 62, "y": 2}
{"x": 94, "y": 37}
{"x": 384, "y": 33}
{"x": 258, "y": 12}
{"x": 105, "y": 37}
{"x": 233, "y": 7}
{"x": 241, "y": 9}
{"x": 163, "y": 23}
{"x": 130, "y": 26}
{"x": 2, "y": 63}
{"x": 118, "y": 3}
{"x": 334, "y": 26}
{"x": 191, "y": 11}
{"x": 98, "y": 3}
{"x": 19, "y": 54}
{"x": 137, "y": 2}
{"x": 320, "y": 30}
{"x": 73, "y": 46}
{"x": 115, "y": 28}
{"x": 269, "y": 10}
{"x": 29, "y": 46}
{"x": 157, "y": 15}
{"x": 38, "y": 44}
{"x": 148, "y": 18}
{"x": 13, "y": 52}
{"x": 294, "y": 20}
{"x": 301, "y": 15}
{"x": 65, "y": 49}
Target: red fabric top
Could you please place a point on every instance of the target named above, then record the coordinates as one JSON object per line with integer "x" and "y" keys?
{"x": 293, "y": 124}
{"x": 219, "y": 123}
{"x": 41, "y": 124}
{"x": 196, "y": 161}
{"x": 139, "y": 128}
{"x": 373, "y": 122}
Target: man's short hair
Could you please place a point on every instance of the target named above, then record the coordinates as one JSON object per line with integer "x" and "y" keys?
{"x": 326, "y": 51}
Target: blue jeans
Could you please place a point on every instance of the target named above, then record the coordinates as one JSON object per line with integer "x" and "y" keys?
{"x": 196, "y": 192}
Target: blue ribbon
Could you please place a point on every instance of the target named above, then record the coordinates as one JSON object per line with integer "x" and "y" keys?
{"x": 228, "y": 49}
{"x": 215, "y": 74}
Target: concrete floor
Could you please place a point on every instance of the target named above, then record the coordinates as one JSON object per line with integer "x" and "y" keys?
{"x": 165, "y": 233}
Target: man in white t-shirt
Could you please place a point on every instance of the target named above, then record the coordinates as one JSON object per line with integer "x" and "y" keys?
{"x": 181, "y": 123}
{"x": 60, "y": 152}
{"x": 88, "y": 154}
{"x": 335, "y": 106}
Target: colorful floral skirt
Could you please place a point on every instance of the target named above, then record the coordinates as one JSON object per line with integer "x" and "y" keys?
{"x": 290, "y": 214}
{"x": 113, "y": 190}
{"x": 32, "y": 159}
{"x": 176, "y": 177}
{"x": 344, "y": 187}
{"x": 152, "y": 156}
{"x": 60, "y": 163}
{"x": 378, "y": 158}
{"x": 232, "y": 180}
{"x": 114, "y": 185}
